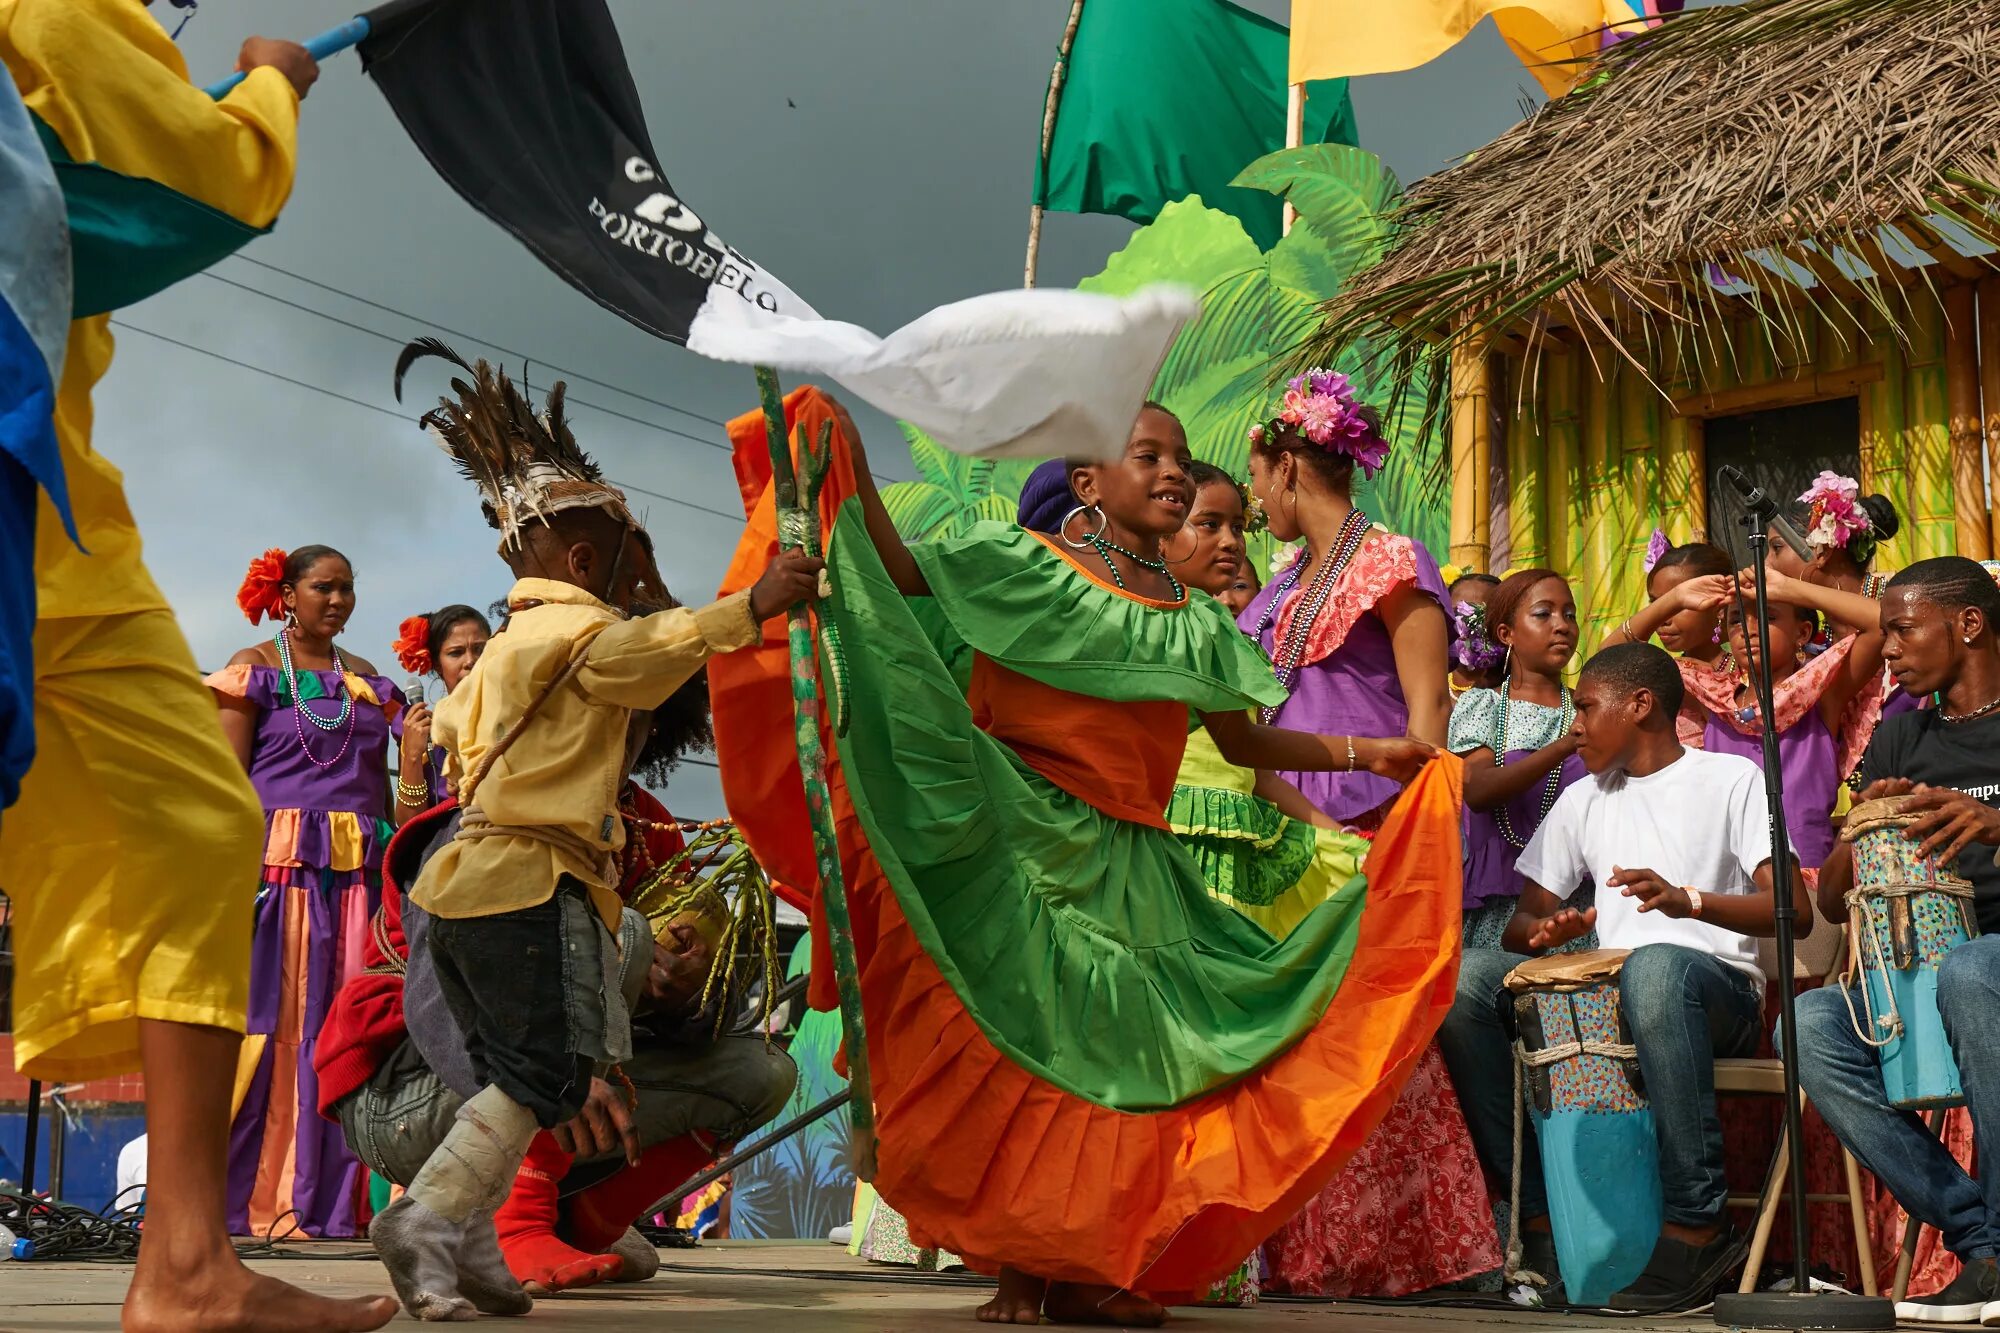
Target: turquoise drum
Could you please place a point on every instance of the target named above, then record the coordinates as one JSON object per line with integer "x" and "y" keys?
{"x": 1600, "y": 1159}
{"x": 1905, "y": 913}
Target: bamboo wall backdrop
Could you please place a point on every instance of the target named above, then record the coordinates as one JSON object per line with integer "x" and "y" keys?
{"x": 1593, "y": 454}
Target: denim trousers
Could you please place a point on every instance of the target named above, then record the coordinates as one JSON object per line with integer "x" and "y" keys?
{"x": 1843, "y": 1077}
{"x": 1685, "y": 1009}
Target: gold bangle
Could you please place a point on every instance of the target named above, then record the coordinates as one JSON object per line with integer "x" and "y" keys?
{"x": 1631, "y": 635}
{"x": 1350, "y": 754}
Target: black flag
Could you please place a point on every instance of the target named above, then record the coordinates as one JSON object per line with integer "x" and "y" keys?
{"x": 527, "y": 109}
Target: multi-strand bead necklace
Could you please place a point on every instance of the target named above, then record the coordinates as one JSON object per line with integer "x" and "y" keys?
{"x": 302, "y": 714}
{"x": 1287, "y": 656}
{"x": 1565, "y": 719}
{"x": 1104, "y": 547}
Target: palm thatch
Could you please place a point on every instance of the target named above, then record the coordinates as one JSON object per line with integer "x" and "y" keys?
{"x": 1764, "y": 146}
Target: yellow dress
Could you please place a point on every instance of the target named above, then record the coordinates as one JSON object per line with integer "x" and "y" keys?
{"x": 132, "y": 855}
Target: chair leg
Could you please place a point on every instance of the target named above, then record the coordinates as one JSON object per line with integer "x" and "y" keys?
{"x": 1767, "y": 1214}
{"x": 1863, "y": 1249}
{"x": 1912, "y": 1228}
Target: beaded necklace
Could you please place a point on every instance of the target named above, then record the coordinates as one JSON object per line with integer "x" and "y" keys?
{"x": 1286, "y": 656}
{"x": 1105, "y": 547}
{"x": 302, "y": 714}
{"x": 1566, "y": 718}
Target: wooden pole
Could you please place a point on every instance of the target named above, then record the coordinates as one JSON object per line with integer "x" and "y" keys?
{"x": 798, "y": 528}
{"x": 1056, "y": 78}
{"x": 1968, "y": 453}
{"x": 1295, "y": 133}
{"x": 1989, "y": 388}
{"x": 1471, "y": 457}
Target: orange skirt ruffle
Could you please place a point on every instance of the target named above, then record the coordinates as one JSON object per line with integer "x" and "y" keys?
{"x": 1004, "y": 1168}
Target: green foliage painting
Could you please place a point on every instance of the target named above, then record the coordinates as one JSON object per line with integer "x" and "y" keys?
{"x": 1223, "y": 372}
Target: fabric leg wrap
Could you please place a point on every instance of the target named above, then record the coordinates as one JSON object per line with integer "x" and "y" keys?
{"x": 474, "y": 1167}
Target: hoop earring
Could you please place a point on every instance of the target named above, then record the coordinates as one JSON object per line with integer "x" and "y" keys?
{"x": 1193, "y": 542}
{"x": 1062, "y": 529}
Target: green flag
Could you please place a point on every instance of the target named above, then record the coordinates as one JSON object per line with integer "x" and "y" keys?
{"x": 1168, "y": 98}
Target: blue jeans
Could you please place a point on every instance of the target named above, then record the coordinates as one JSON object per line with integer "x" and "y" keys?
{"x": 1844, "y": 1080}
{"x": 1685, "y": 1009}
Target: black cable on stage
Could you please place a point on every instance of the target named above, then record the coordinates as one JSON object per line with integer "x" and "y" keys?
{"x": 69, "y": 1232}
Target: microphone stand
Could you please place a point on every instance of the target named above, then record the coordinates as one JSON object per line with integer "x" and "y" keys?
{"x": 1787, "y": 1309}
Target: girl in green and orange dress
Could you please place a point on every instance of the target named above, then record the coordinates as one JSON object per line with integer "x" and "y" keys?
{"x": 1089, "y": 1075}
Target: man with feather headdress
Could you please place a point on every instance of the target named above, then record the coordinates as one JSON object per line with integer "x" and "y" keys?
{"x": 523, "y": 900}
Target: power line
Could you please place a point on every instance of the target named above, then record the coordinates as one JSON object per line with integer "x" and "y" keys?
{"x": 460, "y": 333}
{"x": 482, "y": 341}
{"x": 376, "y": 407}
{"x": 394, "y": 341}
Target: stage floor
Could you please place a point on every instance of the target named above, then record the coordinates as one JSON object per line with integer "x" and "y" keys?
{"x": 765, "y": 1286}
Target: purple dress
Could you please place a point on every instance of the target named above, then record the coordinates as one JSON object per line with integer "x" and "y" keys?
{"x": 1347, "y": 683}
{"x": 324, "y": 799}
{"x": 1807, "y": 756}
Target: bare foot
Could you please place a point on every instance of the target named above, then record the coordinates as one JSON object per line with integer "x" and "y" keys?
{"x": 1019, "y": 1300}
{"x": 1078, "y": 1303}
{"x": 229, "y": 1297}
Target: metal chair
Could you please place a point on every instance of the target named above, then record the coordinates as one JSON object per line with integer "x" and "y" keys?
{"x": 1818, "y": 959}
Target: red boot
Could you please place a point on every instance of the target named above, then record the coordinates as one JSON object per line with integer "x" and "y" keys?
{"x": 598, "y": 1216}
{"x": 526, "y": 1223}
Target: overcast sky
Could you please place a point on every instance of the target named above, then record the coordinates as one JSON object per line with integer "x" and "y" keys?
{"x": 876, "y": 154}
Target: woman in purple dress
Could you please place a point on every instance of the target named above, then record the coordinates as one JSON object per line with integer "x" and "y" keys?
{"x": 446, "y": 643}
{"x": 1356, "y": 629}
{"x": 311, "y": 726}
{"x": 1355, "y": 626}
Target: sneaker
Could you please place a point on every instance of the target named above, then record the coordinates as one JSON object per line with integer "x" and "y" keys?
{"x": 1680, "y": 1276}
{"x": 841, "y": 1235}
{"x": 1972, "y": 1297}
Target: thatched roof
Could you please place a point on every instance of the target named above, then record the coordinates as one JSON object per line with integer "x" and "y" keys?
{"x": 1773, "y": 139}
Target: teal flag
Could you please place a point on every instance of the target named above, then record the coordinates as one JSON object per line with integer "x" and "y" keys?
{"x": 1168, "y": 98}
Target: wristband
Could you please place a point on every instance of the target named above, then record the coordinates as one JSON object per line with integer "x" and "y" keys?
{"x": 1694, "y": 901}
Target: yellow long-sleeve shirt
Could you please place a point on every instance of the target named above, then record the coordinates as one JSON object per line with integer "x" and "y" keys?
{"x": 111, "y": 85}
{"x": 558, "y": 782}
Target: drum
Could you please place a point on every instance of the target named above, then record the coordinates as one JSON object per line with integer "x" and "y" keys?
{"x": 1905, "y": 912}
{"x": 1600, "y": 1159}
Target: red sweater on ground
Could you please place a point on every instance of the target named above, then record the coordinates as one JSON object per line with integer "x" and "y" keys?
{"x": 364, "y": 1025}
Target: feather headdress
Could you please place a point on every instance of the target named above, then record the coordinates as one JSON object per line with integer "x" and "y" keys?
{"x": 526, "y": 465}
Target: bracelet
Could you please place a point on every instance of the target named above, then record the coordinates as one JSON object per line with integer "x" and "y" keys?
{"x": 1694, "y": 901}
{"x": 1350, "y": 754}
{"x": 1627, "y": 631}
{"x": 416, "y": 795}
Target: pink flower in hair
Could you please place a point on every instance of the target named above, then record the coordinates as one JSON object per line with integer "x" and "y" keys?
{"x": 1834, "y": 516}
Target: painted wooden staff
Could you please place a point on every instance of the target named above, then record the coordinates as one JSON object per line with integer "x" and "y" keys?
{"x": 798, "y": 529}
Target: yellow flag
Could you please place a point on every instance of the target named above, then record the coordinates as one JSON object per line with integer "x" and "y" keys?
{"x": 1555, "y": 39}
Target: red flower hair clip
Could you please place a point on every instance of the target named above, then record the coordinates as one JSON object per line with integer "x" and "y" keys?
{"x": 262, "y": 595}
{"x": 413, "y": 638}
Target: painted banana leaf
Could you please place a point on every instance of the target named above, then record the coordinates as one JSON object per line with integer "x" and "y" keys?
{"x": 1222, "y": 373}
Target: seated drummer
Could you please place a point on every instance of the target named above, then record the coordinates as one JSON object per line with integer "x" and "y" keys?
{"x": 1680, "y": 841}
{"x": 1939, "y": 621}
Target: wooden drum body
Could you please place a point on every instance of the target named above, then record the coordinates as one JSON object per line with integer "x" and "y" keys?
{"x": 1600, "y": 1159}
{"x": 1905, "y": 913}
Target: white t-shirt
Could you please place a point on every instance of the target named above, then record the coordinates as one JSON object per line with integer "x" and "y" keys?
{"x": 1702, "y": 822}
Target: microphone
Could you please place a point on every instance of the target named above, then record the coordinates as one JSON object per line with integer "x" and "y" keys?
{"x": 1766, "y": 507}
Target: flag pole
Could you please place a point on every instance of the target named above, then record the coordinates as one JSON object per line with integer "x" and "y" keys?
{"x": 331, "y": 42}
{"x": 1295, "y": 133}
{"x": 798, "y": 528}
{"x": 1056, "y": 77}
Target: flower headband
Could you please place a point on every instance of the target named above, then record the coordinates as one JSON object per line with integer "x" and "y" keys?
{"x": 261, "y": 595}
{"x": 1657, "y": 547}
{"x": 412, "y": 645}
{"x": 1321, "y": 406}
{"x": 1474, "y": 648}
{"x": 1835, "y": 518}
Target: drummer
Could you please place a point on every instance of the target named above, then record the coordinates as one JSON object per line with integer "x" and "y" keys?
{"x": 1680, "y": 842}
{"x": 1939, "y": 620}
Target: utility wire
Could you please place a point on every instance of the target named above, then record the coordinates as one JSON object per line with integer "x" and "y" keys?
{"x": 483, "y": 342}
{"x": 394, "y": 341}
{"x": 460, "y": 333}
{"x": 376, "y": 407}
